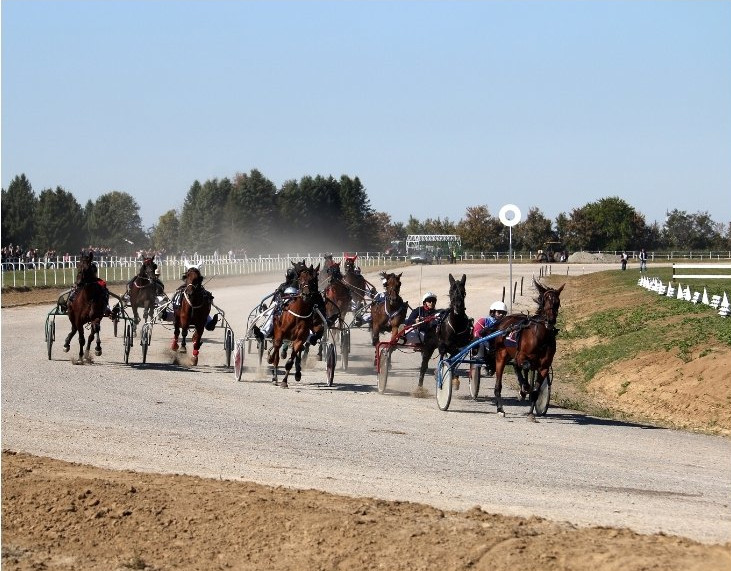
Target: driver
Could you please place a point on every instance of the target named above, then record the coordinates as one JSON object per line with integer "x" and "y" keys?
{"x": 427, "y": 308}
{"x": 483, "y": 327}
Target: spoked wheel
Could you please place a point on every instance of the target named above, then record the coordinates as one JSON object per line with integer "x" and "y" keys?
{"x": 345, "y": 348}
{"x": 228, "y": 345}
{"x": 330, "y": 359}
{"x": 475, "y": 380}
{"x": 544, "y": 393}
{"x": 127, "y": 341}
{"x": 239, "y": 359}
{"x": 145, "y": 339}
{"x": 384, "y": 362}
{"x": 444, "y": 384}
{"x": 50, "y": 335}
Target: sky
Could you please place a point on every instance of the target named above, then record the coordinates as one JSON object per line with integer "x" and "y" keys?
{"x": 437, "y": 106}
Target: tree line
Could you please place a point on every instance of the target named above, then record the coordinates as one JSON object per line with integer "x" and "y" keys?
{"x": 248, "y": 213}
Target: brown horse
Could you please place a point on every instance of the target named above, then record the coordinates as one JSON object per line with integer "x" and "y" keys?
{"x": 337, "y": 295}
{"x": 452, "y": 331}
{"x": 192, "y": 305}
{"x": 294, "y": 324}
{"x": 389, "y": 312}
{"x": 87, "y": 305}
{"x": 142, "y": 290}
{"x": 531, "y": 347}
{"x": 357, "y": 284}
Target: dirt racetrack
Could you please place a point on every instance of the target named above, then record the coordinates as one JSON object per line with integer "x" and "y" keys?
{"x": 61, "y": 515}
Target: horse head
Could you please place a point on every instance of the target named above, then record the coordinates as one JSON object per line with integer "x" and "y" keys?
{"x": 193, "y": 277}
{"x": 334, "y": 272}
{"x": 307, "y": 280}
{"x": 147, "y": 269}
{"x": 393, "y": 286}
{"x": 86, "y": 268}
{"x": 457, "y": 293}
{"x": 549, "y": 302}
{"x": 349, "y": 265}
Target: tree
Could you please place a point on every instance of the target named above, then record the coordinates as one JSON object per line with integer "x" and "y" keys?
{"x": 533, "y": 232}
{"x": 18, "y": 212}
{"x": 360, "y": 225}
{"x": 115, "y": 220}
{"x": 251, "y": 216}
{"x": 58, "y": 219}
{"x": 165, "y": 235}
{"x": 478, "y": 230}
{"x": 608, "y": 224}
{"x": 685, "y": 231}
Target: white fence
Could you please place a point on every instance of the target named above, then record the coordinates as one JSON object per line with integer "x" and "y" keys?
{"x": 58, "y": 273}
{"x": 706, "y": 276}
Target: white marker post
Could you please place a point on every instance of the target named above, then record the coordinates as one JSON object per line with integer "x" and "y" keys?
{"x": 510, "y": 216}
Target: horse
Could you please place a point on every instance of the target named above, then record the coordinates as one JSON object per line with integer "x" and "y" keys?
{"x": 534, "y": 345}
{"x": 143, "y": 290}
{"x": 338, "y": 296}
{"x": 356, "y": 283}
{"x": 192, "y": 310}
{"x": 294, "y": 324}
{"x": 88, "y": 306}
{"x": 453, "y": 329}
{"x": 388, "y": 312}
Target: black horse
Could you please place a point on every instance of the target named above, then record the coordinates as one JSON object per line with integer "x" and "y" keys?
{"x": 453, "y": 329}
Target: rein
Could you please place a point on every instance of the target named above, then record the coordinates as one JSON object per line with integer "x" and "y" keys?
{"x": 187, "y": 297}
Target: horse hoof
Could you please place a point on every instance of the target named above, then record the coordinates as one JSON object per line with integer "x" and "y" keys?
{"x": 531, "y": 417}
{"x": 98, "y": 353}
{"x": 194, "y": 360}
{"x": 298, "y": 376}
{"x": 66, "y": 348}
{"x": 284, "y": 385}
{"x": 501, "y": 412}
{"x": 455, "y": 383}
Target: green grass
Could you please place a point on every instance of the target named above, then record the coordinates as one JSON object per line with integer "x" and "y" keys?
{"x": 630, "y": 320}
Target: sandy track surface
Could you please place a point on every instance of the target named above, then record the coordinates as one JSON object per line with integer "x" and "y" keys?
{"x": 167, "y": 417}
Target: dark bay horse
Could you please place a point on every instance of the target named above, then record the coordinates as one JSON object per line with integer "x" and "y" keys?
{"x": 357, "y": 284}
{"x": 192, "y": 311}
{"x": 88, "y": 306}
{"x": 390, "y": 312}
{"x": 453, "y": 330}
{"x": 338, "y": 296}
{"x": 294, "y": 324}
{"x": 143, "y": 290}
{"x": 532, "y": 346}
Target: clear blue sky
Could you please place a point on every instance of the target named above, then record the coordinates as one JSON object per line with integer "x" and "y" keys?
{"x": 436, "y": 106}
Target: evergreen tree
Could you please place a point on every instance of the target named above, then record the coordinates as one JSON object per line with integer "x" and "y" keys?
{"x": 18, "y": 213}
{"x": 58, "y": 219}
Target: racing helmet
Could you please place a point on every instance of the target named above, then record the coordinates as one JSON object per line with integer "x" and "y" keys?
{"x": 290, "y": 273}
{"x": 157, "y": 271}
{"x": 290, "y": 291}
{"x": 499, "y": 306}
{"x": 429, "y": 295}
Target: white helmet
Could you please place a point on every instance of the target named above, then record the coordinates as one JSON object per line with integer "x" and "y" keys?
{"x": 429, "y": 295}
{"x": 157, "y": 271}
{"x": 499, "y": 306}
{"x": 291, "y": 291}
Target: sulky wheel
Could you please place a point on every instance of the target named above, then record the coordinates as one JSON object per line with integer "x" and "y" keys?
{"x": 50, "y": 335}
{"x": 384, "y": 362}
{"x": 127, "y": 341}
{"x": 345, "y": 348}
{"x": 444, "y": 384}
{"x": 330, "y": 359}
{"x": 239, "y": 359}
{"x": 475, "y": 380}
{"x": 145, "y": 339}
{"x": 544, "y": 394}
{"x": 228, "y": 345}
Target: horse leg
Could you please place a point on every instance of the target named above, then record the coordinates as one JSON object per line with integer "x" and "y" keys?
{"x": 67, "y": 343}
{"x": 197, "y": 339}
{"x": 92, "y": 334}
{"x": 98, "y": 329}
{"x": 176, "y": 334}
{"x": 500, "y": 359}
{"x": 183, "y": 338}
{"x": 82, "y": 340}
{"x": 274, "y": 357}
